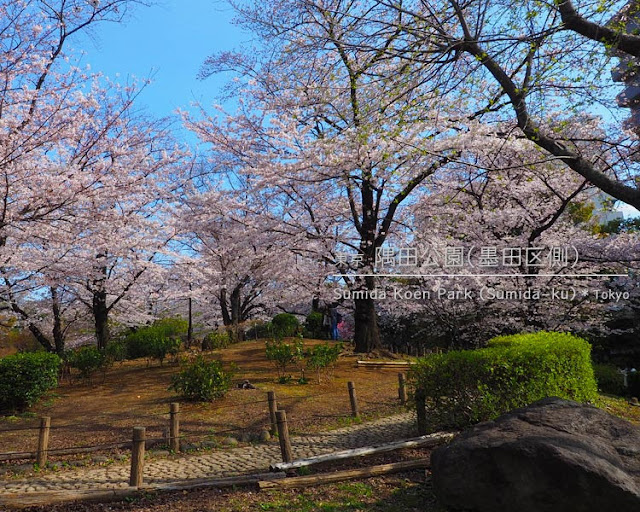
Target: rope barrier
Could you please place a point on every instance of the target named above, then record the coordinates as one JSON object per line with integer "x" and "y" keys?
{"x": 19, "y": 429}
{"x": 135, "y": 419}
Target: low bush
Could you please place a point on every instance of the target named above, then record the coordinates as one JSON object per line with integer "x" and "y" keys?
{"x": 89, "y": 360}
{"x": 216, "y": 340}
{"x": 322, "y": 359}
{"x": 464, "y": 387}
{"x": 259, "y": 329}
{"x": 610, "y": 379}
{"x": 157, "y": 341}
{"x": 633, "y": 380}
{"x": 171, "y": 327}
{"x": 25, "y": 377}
{"x": 283, "y": 354}
{"x": 201, "y": 380}
{"x": 284, "y": 325}
{"x": 117, "y": 351}
{"x": 313, "y": 326}
{"x": 163, "y": 347}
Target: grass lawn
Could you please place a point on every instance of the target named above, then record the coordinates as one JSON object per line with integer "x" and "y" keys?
{"x": 619, "y": 407}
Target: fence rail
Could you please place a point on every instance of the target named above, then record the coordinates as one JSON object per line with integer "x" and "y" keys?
{"x": 275, "y": 419}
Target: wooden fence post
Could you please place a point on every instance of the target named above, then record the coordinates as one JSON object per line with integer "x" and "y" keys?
{"x": 174, "y": 427}
{"x": 355, "y": 412}
{"x": 43, "y": 441}
{"x": 283, "y": 436}
{"x": 137, "y": 457}
{"x": 273, "y": 407}
{"x": 421, "y": 412}
{"x": 402, "y": 388}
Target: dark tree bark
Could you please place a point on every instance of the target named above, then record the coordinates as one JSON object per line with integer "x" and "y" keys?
{"x": 58, "y": 332}
{"x": 367, "y": 335}
{"x": 33, "y": 328}
{"x": 626, "y": 43}
{"x": 41, "y": 338}
{"x": 232, "y": 312}
{"x": 101, "y": 318}
{"x": 535, "y": 133}
{"x": 190, "y": 326}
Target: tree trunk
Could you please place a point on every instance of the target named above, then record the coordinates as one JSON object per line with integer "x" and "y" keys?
{"x": 367, "y": 335}
{"x": 190, "y": 326}
{"x": 231, "y": 313}
{"x": 41, "y": 338}
{"x": 238, "y": 333}
{"x": 101, "y": 318}
{"x": 58, "y": 333}
{"x": 35, "y": 330}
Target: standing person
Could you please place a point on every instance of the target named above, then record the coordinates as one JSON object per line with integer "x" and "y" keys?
{"x": 326, "y": 323}
{"x": 334, "y": 320}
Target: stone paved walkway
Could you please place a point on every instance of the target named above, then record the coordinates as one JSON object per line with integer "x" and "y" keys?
{"x": 221, "y": 463}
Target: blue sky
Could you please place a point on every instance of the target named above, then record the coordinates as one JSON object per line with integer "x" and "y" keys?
{"x": 167, "y": 42}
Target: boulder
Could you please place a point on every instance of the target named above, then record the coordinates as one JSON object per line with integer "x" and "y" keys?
{"x": 552, "y": 456}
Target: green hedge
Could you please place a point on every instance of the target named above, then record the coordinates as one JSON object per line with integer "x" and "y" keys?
{"x": 216, "y": 340}
{"x": 633, "y": 379}
{"x": 284, "y": 325}
{"x": 313, "y": 326}
{"x": 24, "y": 378}
{"x": 88, "y": 360}
{"x": 156, "y": 341}
{"x": 468, "y": 386}
{"x": 610, "y": 379}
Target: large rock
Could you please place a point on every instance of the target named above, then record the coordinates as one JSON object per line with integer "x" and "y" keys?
{"x": 554, "y": 455}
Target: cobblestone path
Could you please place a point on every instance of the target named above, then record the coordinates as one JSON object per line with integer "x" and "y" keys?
{"x": 218, "y": 463}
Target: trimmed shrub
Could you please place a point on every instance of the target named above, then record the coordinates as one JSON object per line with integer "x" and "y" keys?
{"x": 323, "y": 358}
{"x": 259, "y": 330}
{"x": 633, "y": 379}
{"x": 24, "y": 378}
{"x": 157, "y": 341}
{"x": 201, "y": 380}
{"x": 88, "y": 360}
{"x": 284, "y": 325}
{"x": 464, "y": 387}
{"x": 610, "y": 379}
{"x": 117, "y": 351}
{"x": 284, "y": 354}
{"x": 139, "y": 343}
{"x": 216, "y": 340}
{"x": 171, "y": 327}
{"x": 313, "y": 326}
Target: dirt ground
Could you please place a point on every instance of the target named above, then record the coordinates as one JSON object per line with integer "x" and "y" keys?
{"x": 134, "y": 394}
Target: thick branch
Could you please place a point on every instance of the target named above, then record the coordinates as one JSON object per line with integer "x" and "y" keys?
{"x": 573, "y": 21}
{"x": 613, "y": 187}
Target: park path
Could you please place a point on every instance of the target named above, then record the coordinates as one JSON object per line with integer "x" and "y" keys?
{"x": 218, "y": 463}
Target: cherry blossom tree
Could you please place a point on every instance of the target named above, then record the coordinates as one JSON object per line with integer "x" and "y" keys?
{"x": 120, "y": 232}
{"x": 617, "y": 35}
{"x": 81, "y": 174}
{"x": 336, "y": 134}
{"x": 495, "y": 221}
{"x": 236, "y": 256}
{"x": 510, "y": 61}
